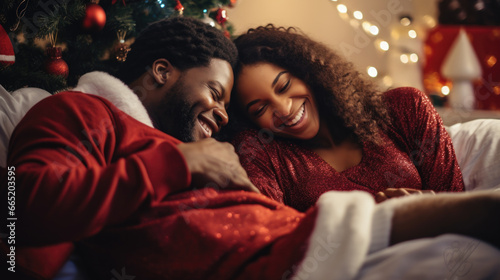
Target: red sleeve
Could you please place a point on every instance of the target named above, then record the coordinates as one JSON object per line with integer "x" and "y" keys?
{"x": 258, "y": 164}
{"x": 76, "y": 173}
{"x": 420, "y": 130}
{"x": 34, "y": 263}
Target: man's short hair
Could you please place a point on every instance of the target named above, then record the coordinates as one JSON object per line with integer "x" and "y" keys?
{"x": 185, "y": 42}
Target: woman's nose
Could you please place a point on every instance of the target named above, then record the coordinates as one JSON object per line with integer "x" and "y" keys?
{"x": 282, "y": 107}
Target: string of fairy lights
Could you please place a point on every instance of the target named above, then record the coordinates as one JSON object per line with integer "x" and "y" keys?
{"x": 162, "y": 5}
{"x": 357, "y": 20}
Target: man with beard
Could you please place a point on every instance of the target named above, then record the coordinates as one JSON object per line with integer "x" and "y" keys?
{"x": 93, "y": 156}
{"x": 98, "y": 167}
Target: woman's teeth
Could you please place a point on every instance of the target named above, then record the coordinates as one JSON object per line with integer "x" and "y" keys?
{"x": 297, "y": 117}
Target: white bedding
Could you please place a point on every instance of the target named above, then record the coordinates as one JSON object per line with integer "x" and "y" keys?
{"x": 451, "y": 257}
{"x": 13, "y": 106}
{"x": 477, "y": 146}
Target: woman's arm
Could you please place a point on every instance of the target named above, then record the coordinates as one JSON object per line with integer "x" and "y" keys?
{"x": 418, "y": 129}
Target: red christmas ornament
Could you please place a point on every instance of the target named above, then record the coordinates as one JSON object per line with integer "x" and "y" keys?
{"x": 95, "y": 18}
{"x": 54, "y": 64}
{"x": 179, "y": 8}
{"x": 7, "y": 55}
{"x": 233, "y": 3}
{"x": 123, "y": 1}
{"x": 221, "y": 16}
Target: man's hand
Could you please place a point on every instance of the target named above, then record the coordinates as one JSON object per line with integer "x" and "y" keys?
{"x": 396, "y": 192}
{"x": 216, "y": 165}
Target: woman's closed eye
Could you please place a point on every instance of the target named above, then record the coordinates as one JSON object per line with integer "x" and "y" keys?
{"x": 285, "y": 86}
{"x": 259, "y": 112}
{"x": 282, "y": 87}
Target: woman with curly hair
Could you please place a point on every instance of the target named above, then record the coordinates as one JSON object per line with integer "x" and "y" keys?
{"x": 304, "y": 122}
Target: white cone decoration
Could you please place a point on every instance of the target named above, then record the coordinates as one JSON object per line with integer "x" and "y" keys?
{"x": 462, "y": 67}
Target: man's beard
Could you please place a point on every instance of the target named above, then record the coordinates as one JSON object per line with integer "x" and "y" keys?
{"x": 175, "y": 115}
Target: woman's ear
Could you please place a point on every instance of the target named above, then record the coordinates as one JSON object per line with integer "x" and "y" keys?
{"x": 161, "y": 70}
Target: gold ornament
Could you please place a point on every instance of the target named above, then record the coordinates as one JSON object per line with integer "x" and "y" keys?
{"x": 122, "y": 49}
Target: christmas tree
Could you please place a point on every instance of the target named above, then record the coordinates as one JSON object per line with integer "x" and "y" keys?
{"x": 57, "y": 41}
{"x": 469, "y": 12}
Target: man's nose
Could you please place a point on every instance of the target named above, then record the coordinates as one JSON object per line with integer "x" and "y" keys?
{"x": 221, "y": 117}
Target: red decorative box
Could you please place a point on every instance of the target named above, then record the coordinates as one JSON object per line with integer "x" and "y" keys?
{"x": 486, "y": 43}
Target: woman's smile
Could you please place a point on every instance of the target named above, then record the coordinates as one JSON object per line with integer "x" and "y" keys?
{"x": 298, "y": 117}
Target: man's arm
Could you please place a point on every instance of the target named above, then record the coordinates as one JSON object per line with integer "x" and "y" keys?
{"x": 472, "y": 214}
{"x": 76, "y": 173}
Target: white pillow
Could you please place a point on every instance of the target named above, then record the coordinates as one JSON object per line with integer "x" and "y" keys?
{"x": 477, "y": 146}
{"x": 13, "y": 107}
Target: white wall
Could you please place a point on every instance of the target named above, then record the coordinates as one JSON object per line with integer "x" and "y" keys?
{"x": 321, "y": 21}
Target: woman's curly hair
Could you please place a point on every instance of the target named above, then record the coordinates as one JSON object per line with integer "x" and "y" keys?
{"x": 346, "y": 100}
{"x": 185, "y": 42}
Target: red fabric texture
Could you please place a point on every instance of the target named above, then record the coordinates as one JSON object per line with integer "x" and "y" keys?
{"x": 417, "y": 153}
{"x": 88, "y": 173}
{"x": 204, "y": 234}
{"x": 486, "y": 43}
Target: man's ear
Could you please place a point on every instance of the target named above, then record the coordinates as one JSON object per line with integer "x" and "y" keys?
{"x": 161, "y": 70}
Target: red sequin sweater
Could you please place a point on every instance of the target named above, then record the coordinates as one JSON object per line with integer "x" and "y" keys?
{"x": 416, "y": 153}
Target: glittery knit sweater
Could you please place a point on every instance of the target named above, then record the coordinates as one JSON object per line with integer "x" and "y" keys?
{"x": 416, "y": 153}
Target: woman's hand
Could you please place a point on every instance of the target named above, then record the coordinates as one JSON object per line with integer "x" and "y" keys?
{"x": 397, "y": 192}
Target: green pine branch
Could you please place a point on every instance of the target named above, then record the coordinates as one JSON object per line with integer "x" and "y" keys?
{"x": 120, "y": 18}
{"x": 59, "y": 18}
